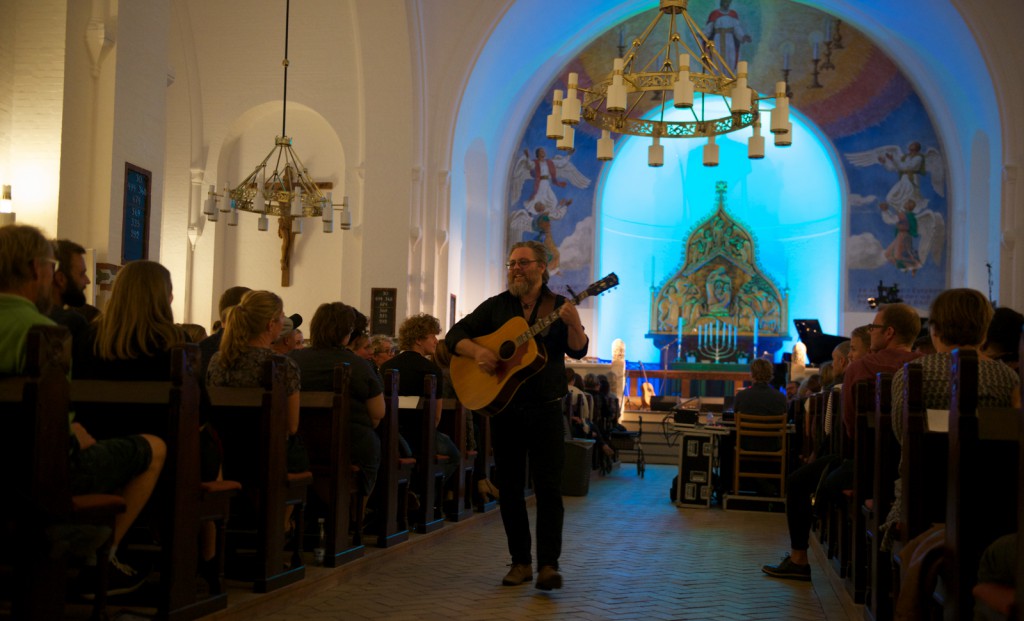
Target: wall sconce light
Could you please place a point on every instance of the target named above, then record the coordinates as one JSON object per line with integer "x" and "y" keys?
{"x": 6, "y": 208}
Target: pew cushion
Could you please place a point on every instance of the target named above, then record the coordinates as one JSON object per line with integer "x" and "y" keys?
{"x": 217, "y": 487}
{"x": 998, "y": 597}
{"x": 88, "y": 506}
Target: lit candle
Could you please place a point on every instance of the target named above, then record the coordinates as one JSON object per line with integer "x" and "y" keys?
{"x": 785, "y": 61}
{"x": 828, "y": 28}
{"x": 816, "y": 57}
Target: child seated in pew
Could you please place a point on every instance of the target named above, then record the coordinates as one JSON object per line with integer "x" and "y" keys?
{"x": 132, "y": 341}
{"x": 958, "y": 319}
{"x": 130, "y": 465}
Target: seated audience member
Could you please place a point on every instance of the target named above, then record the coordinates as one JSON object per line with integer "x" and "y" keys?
{"x": 132, "y": 341}
{"x": 300, "y": 340}
{"x": 249, "y": 330}
{"x": 129, "y": 465}
{"x": 211, "y": 344}
{"x": 70, "y": 278}
{"x": 417, "y": 338}
{"x": 810, "y": 385}
{"x": 860, "y": 343}
{"x": 360, "y": 346}
{"x": 924, "y": 345}
{"x": 891, "y": 335}
{"x": 958, "y": 319}
{"x": 330, "y": 330}
{"x": 290, "y": 337}
{"x": 195, "y": 332}
{"x": 792, "y": 389}
{"x": 1002, "y": 341}
{"x": 382, "y": 348}
{"x": 582, "y": 425}
{"x": 759, "y": 399}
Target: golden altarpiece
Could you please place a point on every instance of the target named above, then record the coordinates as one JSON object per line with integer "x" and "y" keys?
{"x": 719, "y": 307}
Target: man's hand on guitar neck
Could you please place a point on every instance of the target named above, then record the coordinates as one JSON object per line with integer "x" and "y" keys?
{"x": 486, "y": 359}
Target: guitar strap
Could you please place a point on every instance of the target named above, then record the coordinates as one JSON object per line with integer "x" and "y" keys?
{"x": 545, "y": 306}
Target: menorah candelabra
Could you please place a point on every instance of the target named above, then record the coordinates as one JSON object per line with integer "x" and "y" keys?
{"x": 717, "y": 340}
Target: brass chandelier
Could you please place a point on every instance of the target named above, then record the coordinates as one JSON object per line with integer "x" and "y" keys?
{"x": 615, "y": 104}
{"x": 286, "y": 191}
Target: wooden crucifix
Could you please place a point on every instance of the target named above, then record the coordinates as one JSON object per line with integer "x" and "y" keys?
{"x": 285, "y": 230}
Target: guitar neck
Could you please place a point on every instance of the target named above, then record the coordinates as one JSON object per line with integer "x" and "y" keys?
{"x": 546, "y": 321}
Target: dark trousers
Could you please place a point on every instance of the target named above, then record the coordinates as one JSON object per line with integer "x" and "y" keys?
{"x": 533, "y": 430}
{"x": 801, "y": 484}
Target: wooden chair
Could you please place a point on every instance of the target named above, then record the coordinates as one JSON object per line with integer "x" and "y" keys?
{"x": 34, "y": 469}
{"x": 419, "y": 414}
{"x": 182, "y": 501}
{"x": 324, "y": 423}
{"x": 983, "y": 490}
{"x": 253, "y": 428}
{"x": 395, "y": 472}
{"x": 761, "y": 429}
{"x": 453, "y": 423}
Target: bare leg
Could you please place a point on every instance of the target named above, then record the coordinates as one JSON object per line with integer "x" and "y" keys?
{"x": 138, "y": 490}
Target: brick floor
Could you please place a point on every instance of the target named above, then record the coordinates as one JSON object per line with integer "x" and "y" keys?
{"x": 628, "y": 554}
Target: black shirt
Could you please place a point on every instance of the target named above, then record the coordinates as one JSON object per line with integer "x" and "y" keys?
{"x": 412, "y": 368}
{"x": 493, "y": 313}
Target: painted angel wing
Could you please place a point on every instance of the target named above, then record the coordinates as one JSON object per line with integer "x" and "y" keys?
{"x": 567, "y": 171}
{"x": 931, "y": 227}
{"x": 519, "y": 223}
{"x": 870, "y": 158}
{"x": 521, "y": 173}
{"x": 936, "y": 168}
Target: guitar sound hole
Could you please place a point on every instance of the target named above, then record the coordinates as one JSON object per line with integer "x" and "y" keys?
{"x": 507, "y": 349}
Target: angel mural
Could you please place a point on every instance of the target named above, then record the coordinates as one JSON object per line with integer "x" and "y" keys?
{"x": 533, "y": 221}
{"x": 905, "y": 208}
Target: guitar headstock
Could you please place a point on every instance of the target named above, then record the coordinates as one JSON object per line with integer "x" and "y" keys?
{"x": 597, "y": 288}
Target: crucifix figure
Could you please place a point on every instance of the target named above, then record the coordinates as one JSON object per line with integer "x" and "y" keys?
{"x": 284, "y": 231}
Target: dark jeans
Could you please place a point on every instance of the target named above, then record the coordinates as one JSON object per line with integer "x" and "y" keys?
{"x": 533, "y": 430}
{"x": 802, "y": 484}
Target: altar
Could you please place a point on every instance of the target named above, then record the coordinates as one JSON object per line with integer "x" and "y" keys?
{"x": 719, "y": 310}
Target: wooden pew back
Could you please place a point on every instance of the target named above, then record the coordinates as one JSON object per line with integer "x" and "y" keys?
{"x": 324, "y": 423}
{"x": 983, "y": 489}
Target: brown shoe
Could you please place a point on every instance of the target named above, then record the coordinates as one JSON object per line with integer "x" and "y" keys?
{"x": 548, "y": 578}
{"x": 519, "y": 574}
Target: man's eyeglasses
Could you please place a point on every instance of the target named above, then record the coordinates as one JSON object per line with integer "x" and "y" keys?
{"x": 876, "y": 326}
{"x": 521, "y": 263}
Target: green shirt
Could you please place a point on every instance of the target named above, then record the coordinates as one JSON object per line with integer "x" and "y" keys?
{"x": 18, "y": 315}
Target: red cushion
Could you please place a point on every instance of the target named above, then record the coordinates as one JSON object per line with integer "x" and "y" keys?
{"x": 216, "y": 487}
{"x": 998, "y": 597}
{"x": 97, "y": 505}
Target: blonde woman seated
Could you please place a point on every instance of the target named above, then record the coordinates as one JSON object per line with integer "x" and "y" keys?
{"x": 250, "y": 329}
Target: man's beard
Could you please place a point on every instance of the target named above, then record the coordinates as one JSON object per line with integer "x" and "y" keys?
{"x": 519, "y": 288}
{"x": 72, "y": 296}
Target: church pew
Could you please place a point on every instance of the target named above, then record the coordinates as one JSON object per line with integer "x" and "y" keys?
{"x": 484, "y": 466}
{"x": 453, "y": 423}
{"x": 181, "y": 501}
{"x": 983, "y": 490}
{"x": 253, "y": 428}
{"x": 324, "y": 422}
{"x": 878, "y": 594}
{"x": 391, "y": 489}
{"x": 34, "y": 469}
{"x": 419, "y": 415}
{"x": 861, "y": 496}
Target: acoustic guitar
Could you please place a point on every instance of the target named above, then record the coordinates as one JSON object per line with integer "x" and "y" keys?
{"x": 519, "y": 358}
{"x": 648, "y": 390}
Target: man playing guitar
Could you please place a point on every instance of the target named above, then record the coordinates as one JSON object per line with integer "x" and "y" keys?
{"x": 531, "y": 423}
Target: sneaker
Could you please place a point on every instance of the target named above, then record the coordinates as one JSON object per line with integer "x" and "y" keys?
{"x": 548, "y": 578}
{"x": 789, "y": 570}
{"x": 519, "y": 574}
{"x": 121, "y": 579}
